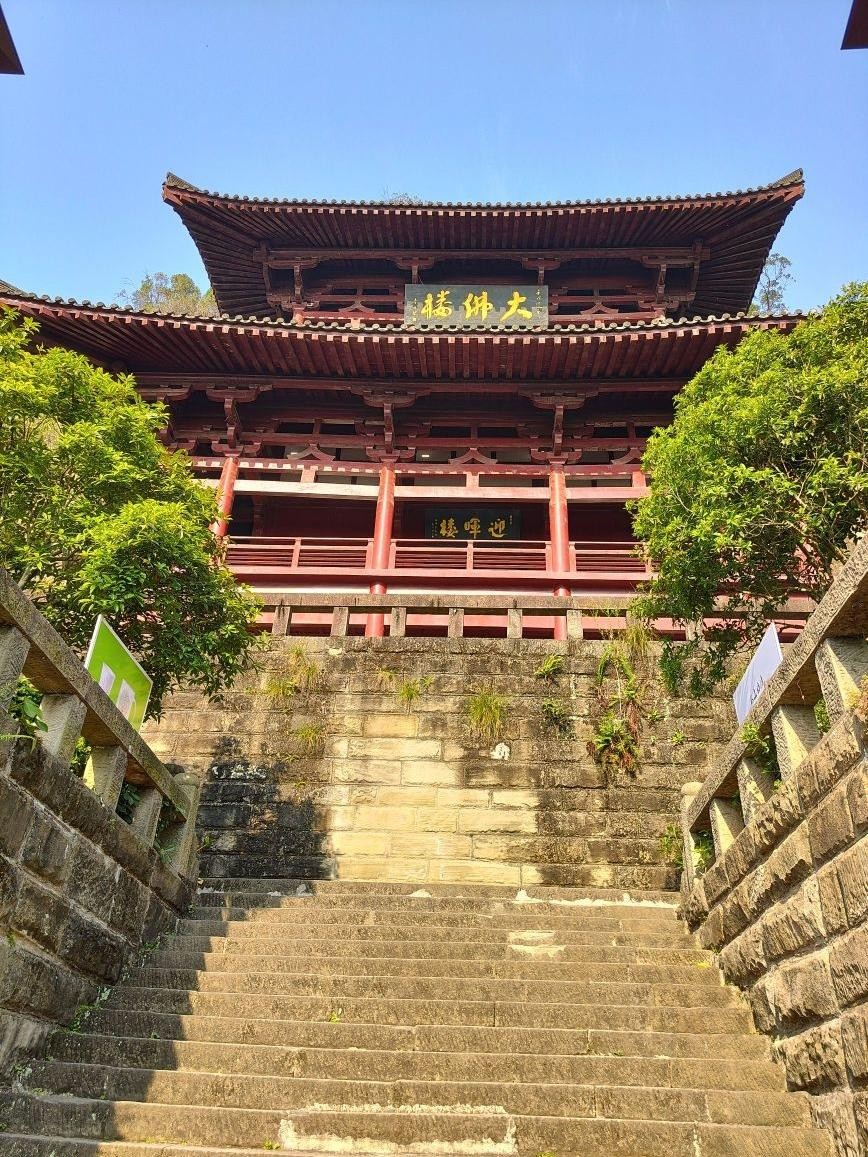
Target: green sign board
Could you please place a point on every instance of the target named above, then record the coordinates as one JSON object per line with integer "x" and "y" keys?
{"x": 476, "y": 306}
{"x": 118, "y": 673}
{"x": 480, "y": 523}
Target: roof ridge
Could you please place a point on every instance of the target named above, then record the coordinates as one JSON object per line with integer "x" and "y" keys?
{"x": 7, "y": 291}
{"x": 172, "y": 181}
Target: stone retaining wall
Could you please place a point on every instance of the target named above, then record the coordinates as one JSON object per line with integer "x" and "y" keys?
{"x": 408, "y": 794}
{"x": 81, "y": 890}
{"x": 785, "y": 906}
{"x": 785, "y": 899}
{"x": 79, "y": 893}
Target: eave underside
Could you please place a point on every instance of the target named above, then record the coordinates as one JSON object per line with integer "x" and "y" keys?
{"x": 152, "y": 344}
{"x": 234, "y": 236}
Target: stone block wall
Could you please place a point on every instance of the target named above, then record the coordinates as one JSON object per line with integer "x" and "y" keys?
{"x": 403, "y": 793}
{"x": 80, "y": 893}
{"x": 786, "y": 906}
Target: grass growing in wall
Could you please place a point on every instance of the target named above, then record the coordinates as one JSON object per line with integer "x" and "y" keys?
{"x": 550, "y": 669}
{"x": 761, "y": 749}
{"x": 486, "y": 715}
{"x": 410, "y": 691}
{"x": 295, "y": 674}
{"x": 557, "y": 718}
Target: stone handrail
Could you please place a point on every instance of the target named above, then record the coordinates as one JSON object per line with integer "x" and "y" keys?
{"x": 74, "y": 705}
{"x": 827, "y": 662}
{"x": 451, "y": 605}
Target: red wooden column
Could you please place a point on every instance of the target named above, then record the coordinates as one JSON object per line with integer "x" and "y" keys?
{"x": 383, "y": 519}
{"x": 225, "y": 494}
{"x": 559, "y": 535}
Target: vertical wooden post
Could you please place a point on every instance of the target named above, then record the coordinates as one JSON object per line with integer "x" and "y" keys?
{"x": 225, "y": 494}
{"x": 383, "y": 519}
{"x": 559, "y": 535}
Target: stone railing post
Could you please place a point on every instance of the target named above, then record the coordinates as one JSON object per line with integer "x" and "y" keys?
{"x": 754, "y": 787}
{"x": 146, "y": 814}
{"x": 63, "y": 716}
{"x": 282, "y": 619}
{"x": 796, "y": 734}
{"x": 841, "y": 665}
{"x": 689, "y": 792}
{"x": 340, "y": 622}
{"x": 398, "y": 622}
{"x": 105, "y": 775}
{"x": 181, "y": 836}
{"x": 13, "y": 655}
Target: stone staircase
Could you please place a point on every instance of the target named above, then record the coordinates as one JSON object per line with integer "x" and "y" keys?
{"x": 340, "y": 1017}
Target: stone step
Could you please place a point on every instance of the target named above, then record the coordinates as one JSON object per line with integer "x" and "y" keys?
{"x": 216, "y": 1125}
{"x": 266, "y": 939}
{"x": 19, "y": 1145}
{"x": 424, "y": 896}
{"x": 303, "y": 860}
{"x": 711, "y": 1040}
{"x": 365, "y": 890}
{"x": 386, "y": 1065}
{"x": 421, "y": 988}
{"x": 541, "y": 981}
{"x": 597, "y": 1096}
{"x": 457, "y": 1129}
{"x": 609, "y": 919}
{"x": 598, "y": 1013}
{"x": 542, "y": 961}
{"x": 458, "y": 953}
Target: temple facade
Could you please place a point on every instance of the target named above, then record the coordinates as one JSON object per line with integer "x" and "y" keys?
{"x": 416, "y": 397}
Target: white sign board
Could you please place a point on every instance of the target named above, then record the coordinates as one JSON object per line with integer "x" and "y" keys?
{"x": 766, "y": 660}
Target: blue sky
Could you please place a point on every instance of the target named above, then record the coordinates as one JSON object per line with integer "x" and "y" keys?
{"x": 445, "y": 99}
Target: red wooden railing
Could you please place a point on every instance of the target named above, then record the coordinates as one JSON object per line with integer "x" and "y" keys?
{"x": 330, "y": 555}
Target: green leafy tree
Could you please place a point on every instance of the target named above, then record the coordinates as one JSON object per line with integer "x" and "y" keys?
{"x": 760, "y": 485}
{"x": 176, "y": 293}
{"x": 96, "y": 516}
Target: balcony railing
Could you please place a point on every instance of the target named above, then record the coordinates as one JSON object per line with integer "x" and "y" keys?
{"x": 256, "y": 559}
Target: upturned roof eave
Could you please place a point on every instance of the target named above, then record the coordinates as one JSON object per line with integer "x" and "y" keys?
{"x": 13, "y": 297}
{"x": 177, "y": 189}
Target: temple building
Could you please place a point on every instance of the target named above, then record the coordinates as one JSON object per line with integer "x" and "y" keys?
{"x": 409, "y": 397}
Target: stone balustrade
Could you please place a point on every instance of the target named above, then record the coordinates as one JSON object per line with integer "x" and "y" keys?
{"x": 785, "y": 896}
{"x": 448, "y": 610}
{"x": 80, "y": 888}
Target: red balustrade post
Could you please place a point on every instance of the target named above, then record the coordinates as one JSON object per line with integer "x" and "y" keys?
{"x": 559, "y": 535}
{"x": 225, "y": 495}
{"x": 383, "y": 520}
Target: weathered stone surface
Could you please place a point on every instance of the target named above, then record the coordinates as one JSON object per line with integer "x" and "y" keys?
{"x": 89, "y": 947}
{"x": 695, "y": 907}
{"x": 848, "y": 960}
{"x": 40, "y": 913}
{"x": 832, "y": 898}
{"x": 852, "y": 872}
{"x": 46, "y": 850}
{"x": 801, "y": 990}
{"x": 854, "y": 1035}
{"x": 778, "y": 815}
{"x": 15, "y": 817}
{"x": 814, "y": 1060}
{"x": 711, "y": 932}
{"x": 830, "y": 826}
{"x": 789, "y": 863}
{"x": 794, "y": 923}
{"x": 743, "y": 959}
{"x": 715, "y": 882}
{"x": 835, "y": 1113}
{"x": 857, "y": 797}
{"x": 92, "y": 878}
